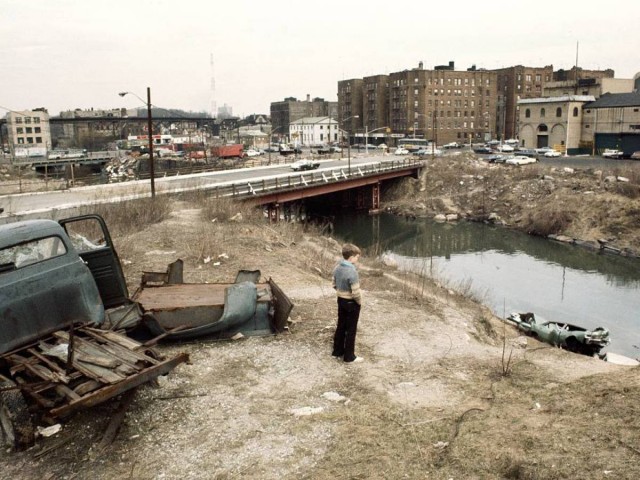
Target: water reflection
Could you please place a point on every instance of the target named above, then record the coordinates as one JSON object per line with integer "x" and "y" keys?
{"x": 519, "y": 272}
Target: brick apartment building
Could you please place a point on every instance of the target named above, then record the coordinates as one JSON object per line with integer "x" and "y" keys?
{"x": 453, "y": 105}
{"x": 442, "y": 104}
{"x": 290, "y": 109}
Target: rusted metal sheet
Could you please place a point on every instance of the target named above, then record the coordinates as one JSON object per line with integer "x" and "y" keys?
{"x": 214, "y": 309}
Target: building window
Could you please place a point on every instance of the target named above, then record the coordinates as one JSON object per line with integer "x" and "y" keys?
{"x": 542, "y": 112}
{"x": 528, "y": 77}
{"x": 36, "y": 119}
{"x": 18, "y": 119}
{"x": 575, "y": 111}
{"x": 19, "y": 130}
{"x": 28, "y": 130}
{"x": 20, "y": 140}
{"x": 29, "y": 139}
{"x": 558, "y": 112}
{"x": 38, "y": 139}
{"x": 27, "y": 119}
{"x": 527, "y": 113}
{"x": 538, "y": 77}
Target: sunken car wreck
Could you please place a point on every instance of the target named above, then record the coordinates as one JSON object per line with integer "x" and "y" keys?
{"x": 565, "y": 335}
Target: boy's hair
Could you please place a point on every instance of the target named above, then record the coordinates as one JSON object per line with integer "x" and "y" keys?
{"x": 349, "y": 250}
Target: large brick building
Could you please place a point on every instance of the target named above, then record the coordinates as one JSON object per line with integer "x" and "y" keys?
{"x": 442, "y": 104}
{"x": 291, "y": 109}
{"x": 516, "y": 83}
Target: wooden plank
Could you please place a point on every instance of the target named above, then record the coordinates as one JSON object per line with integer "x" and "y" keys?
{"x": 96, "y": 372}
{"x": 67, "y": 392}
{"x": 86, "y": 387}
{"x": 118, "y": 347}
{"x": 119, "y": 339}
{"x": 89, "y": 352}
{"x": 52, "y": 365}
{"x": 31, "y": 365}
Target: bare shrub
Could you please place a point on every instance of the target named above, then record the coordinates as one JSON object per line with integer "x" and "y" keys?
{"x": 132, "y": 215}
{"x": 627, "y": 189}
{"x": 546, "y": 222}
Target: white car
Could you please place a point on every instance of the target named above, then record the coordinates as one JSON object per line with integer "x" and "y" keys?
{"x": 382, "y": 146}
{"x": 610, "y": 153}
{"x": 520, "y": 160}
{"x": 552, "y": 153}
{"x": 304, "y": 165}
{"x": 252, "y": 153}
{"x": 401, "y": 151}
{"x": 543, "y": 150}
{"x": 505, "y": 148}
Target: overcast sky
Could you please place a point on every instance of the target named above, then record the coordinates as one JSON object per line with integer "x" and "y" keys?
{"x": 66, "y": 54}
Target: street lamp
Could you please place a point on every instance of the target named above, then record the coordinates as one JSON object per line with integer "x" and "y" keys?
{"x": 366, "y": 136}
{"x": 150, "y": 131}
{"x": 349, "y": 144}
{"x": 269, "y": 140}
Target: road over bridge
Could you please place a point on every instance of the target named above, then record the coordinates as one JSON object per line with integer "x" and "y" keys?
{"x": 273, "y": 186}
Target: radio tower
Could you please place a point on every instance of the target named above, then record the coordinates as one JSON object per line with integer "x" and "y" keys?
{"x": 214, "y": 106}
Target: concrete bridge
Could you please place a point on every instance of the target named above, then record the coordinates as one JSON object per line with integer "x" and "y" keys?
{"x": 276, "y": 187}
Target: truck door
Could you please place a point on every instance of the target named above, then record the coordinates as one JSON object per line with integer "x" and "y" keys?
{"x": 90, "y": 237}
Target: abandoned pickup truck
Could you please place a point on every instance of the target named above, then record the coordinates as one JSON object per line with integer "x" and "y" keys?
{"x": 59, "y": 284}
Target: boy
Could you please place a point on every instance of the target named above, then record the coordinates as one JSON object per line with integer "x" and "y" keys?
{"x": 347, "y": 285}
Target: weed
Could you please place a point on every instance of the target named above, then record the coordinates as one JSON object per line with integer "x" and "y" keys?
{"x": 132, "y": 215}
{"x": 547, "y": 222}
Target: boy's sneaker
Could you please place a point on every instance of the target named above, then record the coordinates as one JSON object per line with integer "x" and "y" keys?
{"x": 356, "y": 360}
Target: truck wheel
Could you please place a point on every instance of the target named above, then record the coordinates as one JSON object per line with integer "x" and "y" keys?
{"x": 15, "y": 420}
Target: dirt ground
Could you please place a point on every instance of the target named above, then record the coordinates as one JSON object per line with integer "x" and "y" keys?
{"x": 446, "y": 390}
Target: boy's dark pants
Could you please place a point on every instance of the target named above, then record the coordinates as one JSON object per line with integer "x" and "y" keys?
{"x": 344, "y": 340}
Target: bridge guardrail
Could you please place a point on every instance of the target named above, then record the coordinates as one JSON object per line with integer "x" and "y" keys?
{"x": 284, "y": 182}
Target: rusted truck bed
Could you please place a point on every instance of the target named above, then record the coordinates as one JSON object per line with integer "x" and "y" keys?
{"x": 101, "y": 365}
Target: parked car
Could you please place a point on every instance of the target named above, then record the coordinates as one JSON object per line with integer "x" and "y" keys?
{"x": 452, "y": 145}
{"x": 520, "y": 160}
{"x": 498, "y": 158}
{"x": 382, "y": 146}
{"x": 304, "y": 164}
{"x": 542, "y": 150}
{"x": 335, "y": 149}
{"x": 611, "y": 153}
{"x": 401, "y": 151}
{"x": 552, "y": 153}
{"x": 252, "y": 153}
{"x": 570, "y": 337}
{"x": 483, "y": 150}
{"x": 527, "y": 152}
{"x": 428, "y": 151}
{"x": 505, "y": 148}
{"x": 322, "y": 150}
{"x": 635, "y": 155}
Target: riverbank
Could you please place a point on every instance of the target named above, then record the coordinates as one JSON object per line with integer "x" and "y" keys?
{"x": 597, "y": 209}
{"x": 446, "y": 390}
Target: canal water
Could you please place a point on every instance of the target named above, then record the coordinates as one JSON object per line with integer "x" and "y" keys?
{"x": 511, "y": 271}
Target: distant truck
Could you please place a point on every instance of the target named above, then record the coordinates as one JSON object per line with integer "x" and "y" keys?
{"x": 228, "y": 151}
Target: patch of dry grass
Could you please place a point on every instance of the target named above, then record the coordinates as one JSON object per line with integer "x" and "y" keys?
{"x": 125, "y": 217}
{"x": 545, "y": 222}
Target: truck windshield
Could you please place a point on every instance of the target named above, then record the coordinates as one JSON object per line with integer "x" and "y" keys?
{"x": 18, "y": 256}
